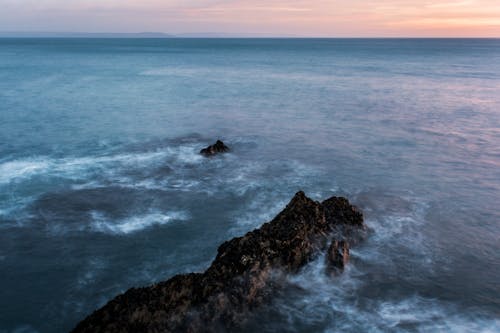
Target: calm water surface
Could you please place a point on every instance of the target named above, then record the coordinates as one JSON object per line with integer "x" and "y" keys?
{"x": 102, "y": 189}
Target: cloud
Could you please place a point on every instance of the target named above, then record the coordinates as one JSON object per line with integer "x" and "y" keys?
{"x": 314, "y": 17}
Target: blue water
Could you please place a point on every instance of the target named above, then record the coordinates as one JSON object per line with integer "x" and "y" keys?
{"x": 102, "y": 189}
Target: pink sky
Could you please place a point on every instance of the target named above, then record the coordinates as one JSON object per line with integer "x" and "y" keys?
{"x": 335, "y": 18}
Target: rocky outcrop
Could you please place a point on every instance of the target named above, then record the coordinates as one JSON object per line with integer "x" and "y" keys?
{"x": 243, "y": 275}
{"x": 216, "y": 148}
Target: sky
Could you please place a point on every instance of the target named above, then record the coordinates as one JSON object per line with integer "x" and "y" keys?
{"x": 308, "y": 18}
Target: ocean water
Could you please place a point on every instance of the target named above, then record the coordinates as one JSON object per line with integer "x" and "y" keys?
{"x": 102, "y": 188}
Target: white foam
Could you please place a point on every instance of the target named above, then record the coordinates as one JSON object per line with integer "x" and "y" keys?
{"x": 186, "y": 154}
{"x": 102, "y": 223}
{"x": 398, "y": 230}
{"x": 12, "y": 170}
{"x": 80, "y": 167}
{"x": 90, "y": 172}
{"x": 338, "y": 303}
{"x": 430, "y": 315}
{"x": 70, "y": 165}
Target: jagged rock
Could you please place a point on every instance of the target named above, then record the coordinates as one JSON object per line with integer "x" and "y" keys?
{"x": 218, "y": 147}
{"x": 345, "y": 219}
{"x": 337, "y": 255}
{"x": 243, "y": 275}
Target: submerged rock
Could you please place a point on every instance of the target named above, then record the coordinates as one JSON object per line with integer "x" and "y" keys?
{"x": 216, "y": 148}
{"x": 243, "y": 275}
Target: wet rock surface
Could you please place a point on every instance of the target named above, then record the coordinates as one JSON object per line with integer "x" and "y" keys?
{"x": 337, "y": 256}
{"x": 217, "y": 148}
{"x": 243, "y": 275}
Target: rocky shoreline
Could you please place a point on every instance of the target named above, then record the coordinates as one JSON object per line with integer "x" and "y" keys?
{"x": 245, "y": 273}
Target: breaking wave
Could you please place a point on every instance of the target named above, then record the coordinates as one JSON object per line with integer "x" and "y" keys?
{"x": 102, "y": 223}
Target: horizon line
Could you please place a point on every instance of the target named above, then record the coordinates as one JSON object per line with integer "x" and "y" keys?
{"x": 142, "y": 35}
{"x": 206, "y": 35}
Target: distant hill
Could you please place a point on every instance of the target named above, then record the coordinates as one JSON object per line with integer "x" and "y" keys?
{"x": 84, "y": 35}
{"x": 230, "y": 35}
{"x": 28, "y": 34}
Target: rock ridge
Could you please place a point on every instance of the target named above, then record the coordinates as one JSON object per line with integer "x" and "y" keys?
{"x": 243, "y": 275}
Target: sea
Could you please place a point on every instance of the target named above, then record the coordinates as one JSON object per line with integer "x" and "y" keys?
{"x": 102, "y": 187}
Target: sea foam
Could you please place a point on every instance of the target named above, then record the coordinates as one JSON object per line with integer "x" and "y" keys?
{"x": 102, "y": 223}
{"x": 14, "y": 170}
{"x": 78, "y": 167}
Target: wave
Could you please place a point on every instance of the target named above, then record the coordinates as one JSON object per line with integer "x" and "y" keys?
{"x": 430, "y": 315}
{"x": 323, "y": 303}
{"x": 12, "y": 170}
{"x": 80, "y": 167}
{"x": 67, "y": 193}
{"x": 375, "y": 293}
{"x": 22, "y": 181}
{"x": 102, "y": 223}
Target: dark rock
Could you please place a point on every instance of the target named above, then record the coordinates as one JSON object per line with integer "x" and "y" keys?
{"x": 347, "y": 219}
{"x": 218, "y": 147}
{"x": 243, "y": 275}
{"x": 337, "y": 256}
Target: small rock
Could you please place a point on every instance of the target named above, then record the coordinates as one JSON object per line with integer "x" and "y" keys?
{"x": 218, "y": 147}
{"x": 337, "y": 255}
